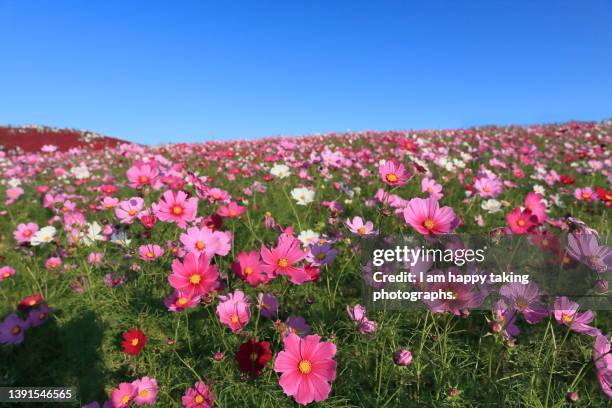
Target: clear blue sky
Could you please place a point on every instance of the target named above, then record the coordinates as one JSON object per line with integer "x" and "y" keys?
{"x": 193, "y": 70}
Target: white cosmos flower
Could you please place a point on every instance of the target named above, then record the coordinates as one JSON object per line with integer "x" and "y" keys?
{"x": 491, "y": 206}
{"x": 93, "y": 234}
{"x": 14, "y": 182}
{"x": 539, "y": 189}
{"x": 280, "y": 171}
{"x": 43, "y": 236}
{"x": 308, "y": 237}
{"x": 80, "y": 172}
{"x": 303, "y": 196}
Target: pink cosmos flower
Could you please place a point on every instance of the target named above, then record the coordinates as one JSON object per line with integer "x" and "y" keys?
{"x": 430, "y": 186}
{"x": 306, "y": 367}
{"x": 521, "y": 221}
{"x": 12, "y": 330}
{"x": 603, "y": 363}
{"x": 123, "y": 395}
{"x": 14, "y": 193}
{"x": 232, "y": 210}
{"x": 141, "y": 175}
{"x": 179, "y": 301}
{"x": 53, "y": 263}
{"x": 358, "y": 227}
{"x": 176, "y": 207}
{"x": 248, "y": 268}
{"x": 150, "y": 252}
{"x": 566, "y": 313}
{"x": 146, "y": 391}
{"x": 206, "y": 241}
{"x": 526, "y": 300}
{"x": 465, "y": 296}
{"x": 6, "y": 272}
{"x": 533, "y": 202}
{"x": 234, "y": 310}
{"x": 488, "y": 187}
{"x": 585, "y": 194}
{"x": 426, "y": 216}
{"x": 281, "y": 260}
{"x": 95, "y": 258}
{"x": 393, "y": 174}
{"x": 200, "y": 396}
{"x": 25, "y": 232}
{"x": 505, "y": 319}
{"x": 358, "y": 315}
{"x": 194, "y": 275}
{"x": 128, "y": 210}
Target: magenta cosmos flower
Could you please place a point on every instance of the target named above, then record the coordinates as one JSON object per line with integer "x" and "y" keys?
{"x": 307, "y": 367}
{"x": 358, "y": 227}
{"x": 426, "y": 216}
{"x": 6, "y": 272}
{"x": 199, "y": 396}
{"x": 206, "y": 241}
{"x": 281, "y": 260}
{"x": 179, "y": 301}
{"x": 176, "y": 207}
{"x": 194, "y": 276}
{"x": 150, "y": 252}
{"x": 393, "y": 174}
{"x": 12, "y": 330}
{"x": 234, "y": 310}
{"x": 603, "y": 363}
{"x": 122, "y": 396}
{"x": 566, "y": 313}
{"x": 521, "y": 221}
{"x": 248, "y": 268}
{"x": 534, "y": 203}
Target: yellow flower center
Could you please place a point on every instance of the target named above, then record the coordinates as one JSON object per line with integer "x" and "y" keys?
{"x": 586, "y": 195}
{"x": 16, "y": 330}
{"x": 195, "y": 279}
{"x": 125, "y": 399}
{"x": 182, "y": 301}
{"x": 27, "y": 233}
{"x": 144, "y": 393}
{"x": 132, "y": 212}
{"x": 305, "y": 367}
{"x": 391, "y": 178}
{"x": 234, "y": 318}
{"x": 283, "y": 262}
{"x": 567, "y": 318}
{"x": 254, "y": 356}
{"x": 143, "y": 179}
{"x": 486, "y": 189}
{"x": 198, "y": 399}
{"x": 520, "y": 223}
{"x": 150, "y": 254}
{"x": 42, "y": 316}
{"x": 248, "y": 270}
{"x": 200, "y": 245}
{"x": 429, "y": 224}
{"x": 135, "y": 342}
{"x": 321, "y": 255}
{"x": 522, "y": 303}
{"x": 6, "y": 274}
{"x": 362, "y": 230}
{"x": 177, "y": 210}
{"x": 232, "y": 213}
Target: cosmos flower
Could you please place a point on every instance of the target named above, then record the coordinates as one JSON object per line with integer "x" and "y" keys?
{"x": 358, "y": 315}
{"x": 321, "y": 254}
{"x": 488, "y": 187}
{"x": 53, "y": 263}
{"x": 234, "y": 310}
{"x": 30, "y": 301}
{"x": 280, "y": 170}
{"x": 427, "y": 218}
{"x": 43, "y": 236}
{"x": 402, "y": 357}
{"x": 179, "y": 301}
{"x": 145, "y": 391}
{"x": 303, "y": 196}
{"x": 566, "y": 313}
{"x": 194, "y": 275}
{"x": 393, "y": 174}
{"x": 358, "y": 227}
{"x": 133, "y": 341}
{"x": 252, "y": 357}
{"x": 232, "y": 210}
{"x": 38, "y": 316}
{"x": 586, "y": 249}
{"x": 603, "y": 363}
{"x": 585, "y": 194}
{"x": 534, "y": 203}
{"x": 282, "y": 259}
{"x": 127, "y": 211}
{"x": 248, "y": 268}
{"x": 176, "y": 207}
{"x": 12, "y": 330}
{"x": 267, "y": 305}
{"x": 199, "y": 396}
{"x": 6, "y": 272}
{"x": 25, "y": 232}
{"x": 123, "y": 395}
{"x": 525, "y": 299}
{"x": 206, "y": 241}
{"x": 297, "y": 325}
{"x": 491, "y": 206}
{"x": 521, "y": 221}
{"x": 150, "y": 252}
{"x": 142, "y": 174}
{"x": 306, "y": 367}
{"x": 308, "y": 237}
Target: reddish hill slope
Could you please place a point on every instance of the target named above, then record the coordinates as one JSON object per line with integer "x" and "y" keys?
{"x": 32, "y": 138}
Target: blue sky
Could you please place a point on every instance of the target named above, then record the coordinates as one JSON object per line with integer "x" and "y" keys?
{"x": 153, "y": 71}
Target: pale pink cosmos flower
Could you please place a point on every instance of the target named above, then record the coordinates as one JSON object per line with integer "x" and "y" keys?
{"x": 234, "y": 310}
{"x": 14, "y": 193}
{"x": 232, "y": 210}
{"x": 95, "y": 258}
{"x": 488, "y": 187}
{"x": 525, "y": 299}
{"x": 217, "y": 195}
{"x": 24, "y": 232}
{"x": 146, "y": 391}
{"x": 150, "y": 252}
{"x": 194, "y": 275}
{"x": 176, "y": 207}
{"x": 282, "y": 259}
{"x": 426, "y": 216}
{"x": 603, "y": 363}
{"x": 306, "y": 367}
{"x": 358, "y": 227}
{"x": 206, "y": 241}
{"x": 585, "y": 194}
{"x": 431, "y": 187}
{"x": 393, "y": 174}
{"x": 566, "y": 313}
{"x": 129, "y": 210}
{"x": 108, "y": 203}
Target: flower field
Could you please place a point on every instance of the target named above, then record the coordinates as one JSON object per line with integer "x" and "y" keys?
{"x": 228, "y": 273}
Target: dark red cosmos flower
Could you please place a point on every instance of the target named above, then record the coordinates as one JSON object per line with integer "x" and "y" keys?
{"x": 253, "y": 356}
{"x": 134, "y": 341}
{"x": 567, "y": 180}
{"x": 29, "y": 302}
